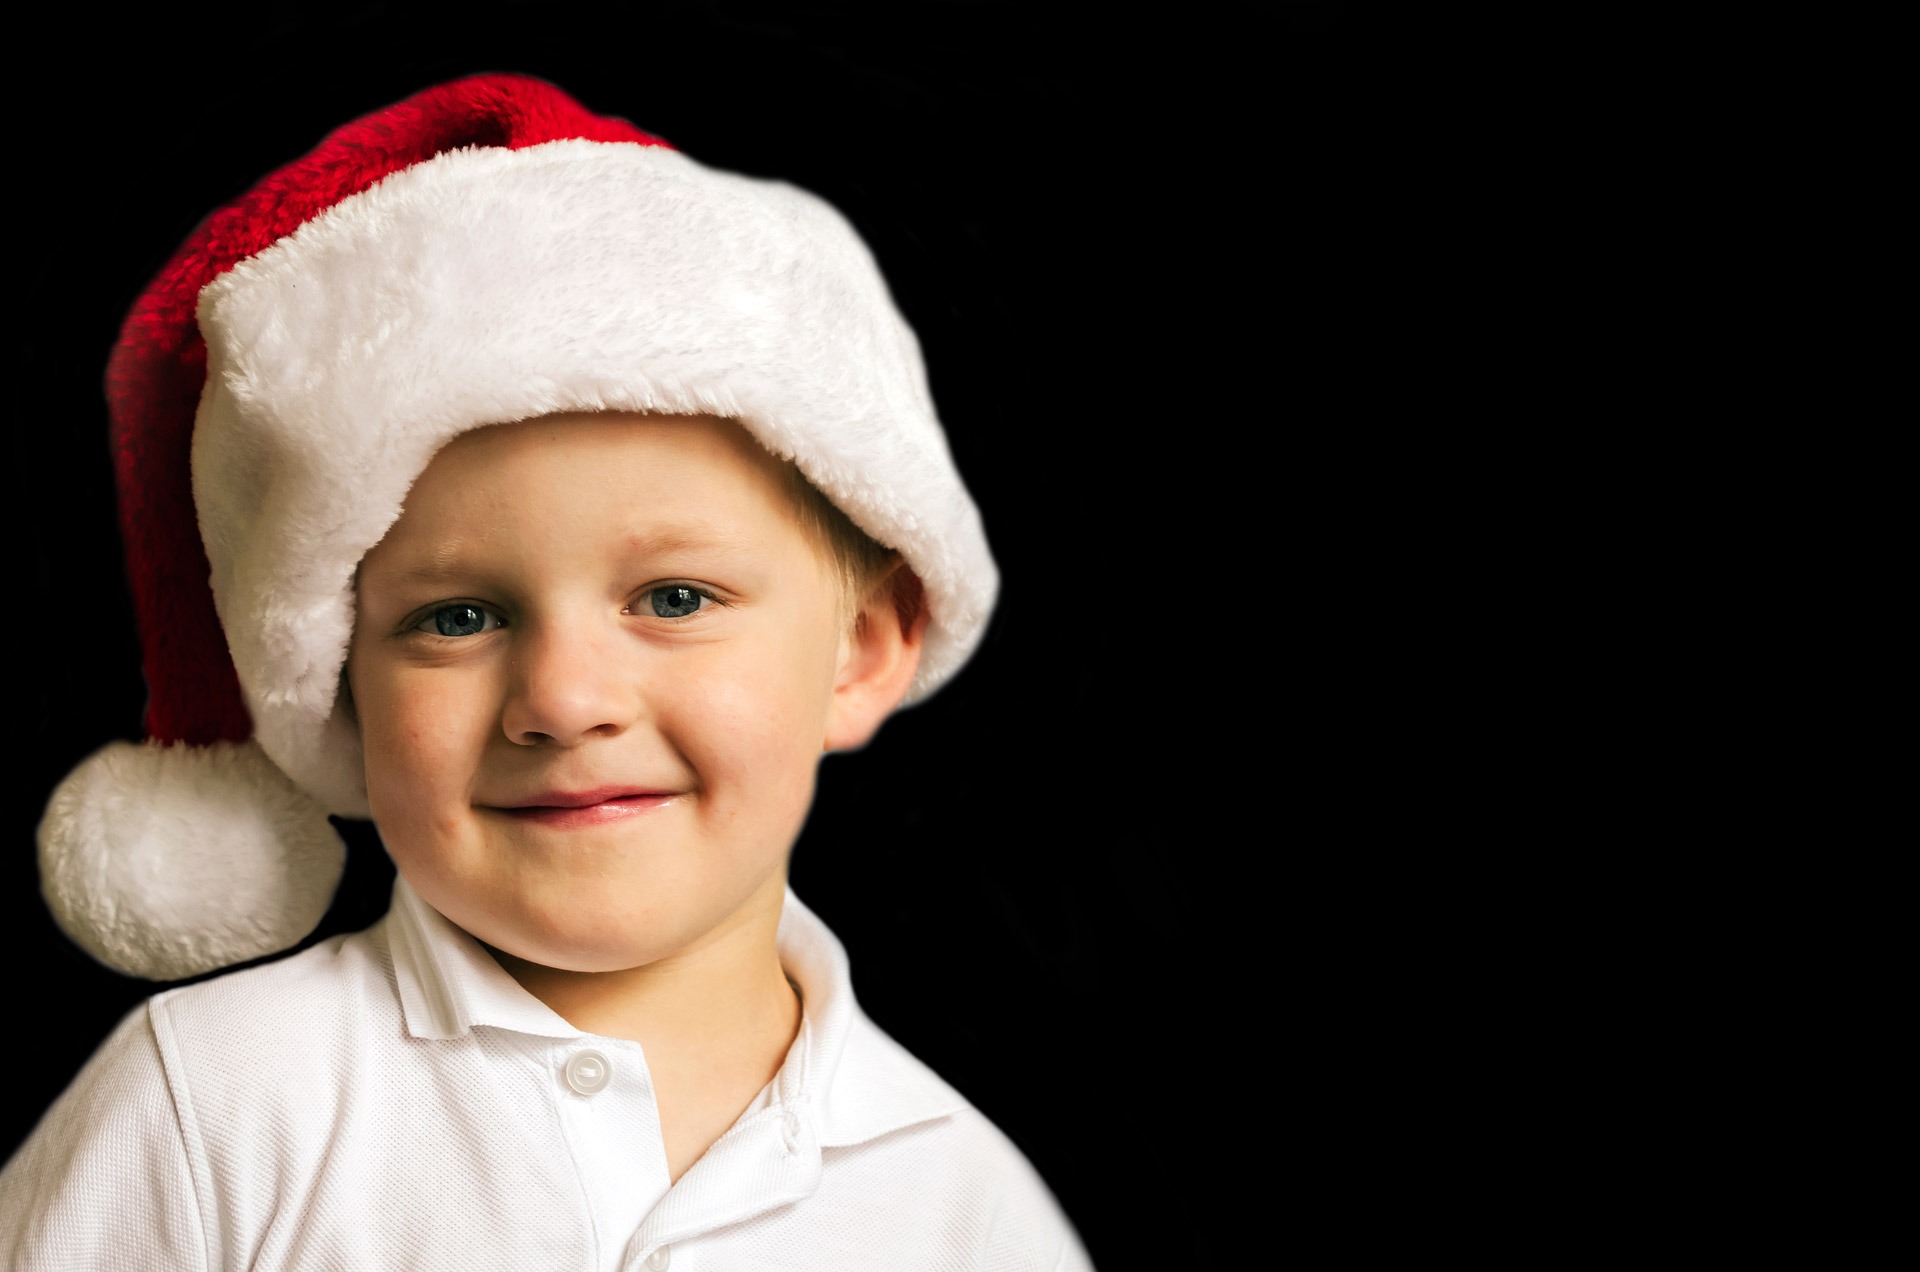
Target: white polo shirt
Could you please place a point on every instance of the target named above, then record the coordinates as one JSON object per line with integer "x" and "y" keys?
{"x": 393, "y": 1099}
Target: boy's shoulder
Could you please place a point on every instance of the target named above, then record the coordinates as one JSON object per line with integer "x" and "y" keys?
{"x": 232, "y": 1070}
{"x": 882, "y": 1090}
{"x": 879, "y": 1086}
{"x": 335, "y": 979}
{"x": 268, "y": 1027}
{"x": 893, "y": 1127}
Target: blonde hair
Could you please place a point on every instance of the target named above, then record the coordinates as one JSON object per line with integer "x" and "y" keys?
{"x": 856, "y": 560}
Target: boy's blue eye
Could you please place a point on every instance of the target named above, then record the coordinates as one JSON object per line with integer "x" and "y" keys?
{"x": 675, "y": 600}
{"x": 459, "y": 620}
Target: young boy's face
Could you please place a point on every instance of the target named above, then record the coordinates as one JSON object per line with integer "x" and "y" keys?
{"x": 594, "y": 667}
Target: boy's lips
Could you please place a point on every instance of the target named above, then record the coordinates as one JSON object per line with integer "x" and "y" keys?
{"x": 585, "y": 807}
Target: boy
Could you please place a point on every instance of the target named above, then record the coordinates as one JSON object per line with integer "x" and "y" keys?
{"x": 498, "y": 473}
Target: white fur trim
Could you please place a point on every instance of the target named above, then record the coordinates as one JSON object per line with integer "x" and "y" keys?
{"x": 489, "y": 285}
{"x": 169, "y": 861}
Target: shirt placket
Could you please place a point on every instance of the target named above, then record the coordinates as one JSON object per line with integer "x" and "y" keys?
{"x": 609, "y": 1114}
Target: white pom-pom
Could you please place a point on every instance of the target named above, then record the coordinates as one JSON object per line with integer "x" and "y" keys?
{"x": 168, "y": 861}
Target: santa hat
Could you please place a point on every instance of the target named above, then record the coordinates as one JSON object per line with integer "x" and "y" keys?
{"x": 485, "y": 251}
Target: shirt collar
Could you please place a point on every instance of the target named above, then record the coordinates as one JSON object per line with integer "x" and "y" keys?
{"x": 854, "y": 1082}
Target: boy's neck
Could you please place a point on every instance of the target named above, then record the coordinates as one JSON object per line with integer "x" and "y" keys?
{"x": 727, "y": 991}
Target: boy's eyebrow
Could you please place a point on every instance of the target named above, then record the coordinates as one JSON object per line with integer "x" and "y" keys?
{"x": 690, "y": 537}
{"x": 448, "y": 561}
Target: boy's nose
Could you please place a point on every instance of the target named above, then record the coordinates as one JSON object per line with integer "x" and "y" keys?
{"x": 567, "y": 684}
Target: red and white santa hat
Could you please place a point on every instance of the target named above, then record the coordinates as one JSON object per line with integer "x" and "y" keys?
{"x": 485, "y": 251}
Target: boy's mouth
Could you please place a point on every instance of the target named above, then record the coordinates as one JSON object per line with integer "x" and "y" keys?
{"x": 585, "y": 808}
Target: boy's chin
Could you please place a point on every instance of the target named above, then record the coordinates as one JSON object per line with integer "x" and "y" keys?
{"x": 611, "y": 941}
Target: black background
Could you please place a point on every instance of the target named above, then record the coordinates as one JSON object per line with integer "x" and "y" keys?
{"x": 1080, "y": 218}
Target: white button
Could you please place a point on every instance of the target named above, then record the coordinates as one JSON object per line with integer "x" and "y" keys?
{"x": 659, "y": 1259}
{"x": 587, "y": 1072}
{"x": 790, "y": 1131}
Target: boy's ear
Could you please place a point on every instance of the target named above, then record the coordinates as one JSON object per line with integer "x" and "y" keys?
{"x": 878, "y": 656}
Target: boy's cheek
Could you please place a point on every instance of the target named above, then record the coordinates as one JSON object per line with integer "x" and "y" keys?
{"x": 414, "y": 728}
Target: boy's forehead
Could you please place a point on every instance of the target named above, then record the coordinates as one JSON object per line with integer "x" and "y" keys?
{"x": 697, "y": 483}
{"x": 528, "y": 453}
{"x": 576, "y": 430}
